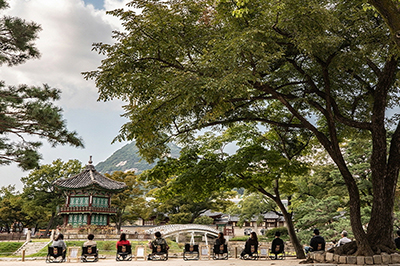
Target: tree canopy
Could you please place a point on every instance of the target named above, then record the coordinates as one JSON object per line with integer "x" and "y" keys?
{"x": 26, "y": 111}
{"x": 42, "y": 200}
{"x": 131, "y": 202}
{"x": 326, "y": 67}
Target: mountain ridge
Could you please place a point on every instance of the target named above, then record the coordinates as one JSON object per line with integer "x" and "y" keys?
{"x": 127, "y": 158}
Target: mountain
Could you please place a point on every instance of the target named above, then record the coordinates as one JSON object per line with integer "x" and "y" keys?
{"x": 127, "y": 159}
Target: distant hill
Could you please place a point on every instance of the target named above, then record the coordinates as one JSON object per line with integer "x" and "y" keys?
{"x": 127, "y": 159}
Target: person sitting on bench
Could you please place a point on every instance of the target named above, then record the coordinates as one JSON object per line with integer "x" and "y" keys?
{"x": 158, "y": 245}
{"x": 251, "y": 242}
{"x": 59, "y": 242}
{"x": 317, "y": 242}
{"x": 277, "y": 245}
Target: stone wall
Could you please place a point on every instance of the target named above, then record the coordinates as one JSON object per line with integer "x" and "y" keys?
{"x": 383, "y": 259}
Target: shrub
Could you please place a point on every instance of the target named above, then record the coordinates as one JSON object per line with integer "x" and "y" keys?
{"x": 180, "y": 218}
{"x": 239, "y": 238}
{"x": 108, "y": 245}
{"x": 270, "y": 233}
{"x": 203, "y": 220}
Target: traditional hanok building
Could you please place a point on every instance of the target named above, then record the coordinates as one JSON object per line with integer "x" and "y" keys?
{"x": 88, "y": 197}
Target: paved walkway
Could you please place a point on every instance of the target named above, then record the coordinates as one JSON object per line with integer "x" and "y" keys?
{"x": 170, "y": 262}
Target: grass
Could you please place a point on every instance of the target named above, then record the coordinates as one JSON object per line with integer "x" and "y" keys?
{"x": 108, "y": 248}
{"x": 8, "y": 248}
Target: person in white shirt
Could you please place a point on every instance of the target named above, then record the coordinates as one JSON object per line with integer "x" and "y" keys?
{"x": 59, "y": 242}
{"x": 344, "y": 239}
{"x": 90, "y": 241}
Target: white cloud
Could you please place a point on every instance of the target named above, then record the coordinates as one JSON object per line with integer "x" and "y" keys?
{"x": 69, "y": 28}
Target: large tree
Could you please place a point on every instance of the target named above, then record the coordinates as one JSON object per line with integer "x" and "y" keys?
{"x": 26, "y": 111}
{"x": 329, "y": 66}
{"x": 11, "y": 209}
{"x": 131, "y": 202}
{"x": 184, "y": 189}
{"x": 261, "y": 163}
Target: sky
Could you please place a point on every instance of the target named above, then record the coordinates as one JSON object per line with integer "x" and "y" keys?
{"x": 69, "y": 28}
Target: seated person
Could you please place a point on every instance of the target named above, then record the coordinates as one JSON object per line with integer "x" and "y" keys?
{"x": 397, "y": 240}
{"x": 252, "y": 241}
{"x": 317, "y": 243}
{"x": 277, "y": 245}
{"x": 344, "y": 239}
{"x": 158, "y": 245}
{"x": 122, "y": 241}
{"x": 90, "y": 241}
{"x": 91, "y": 244}
{"x": 158, "y": 241}
{"x": 59, "y": 242}
{"x": 220, "y": 241}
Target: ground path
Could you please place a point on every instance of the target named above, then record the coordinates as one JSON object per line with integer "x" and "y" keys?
{"x": 169, "y": 262}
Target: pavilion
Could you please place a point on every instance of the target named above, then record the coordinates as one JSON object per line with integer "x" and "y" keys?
{"x": 88, "y": 197}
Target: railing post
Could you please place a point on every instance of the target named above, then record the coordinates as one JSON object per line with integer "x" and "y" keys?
{"x": 23, "y": 255}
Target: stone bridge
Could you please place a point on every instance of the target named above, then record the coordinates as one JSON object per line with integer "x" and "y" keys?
{"x": 176, "y": 229}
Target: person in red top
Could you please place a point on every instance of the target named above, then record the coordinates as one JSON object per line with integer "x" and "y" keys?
{"x": 122, "y": 241}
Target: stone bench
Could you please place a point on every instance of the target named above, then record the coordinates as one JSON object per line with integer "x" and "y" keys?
{"x": 383, "y": 259}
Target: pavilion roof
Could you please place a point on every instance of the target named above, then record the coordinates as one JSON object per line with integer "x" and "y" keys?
{"x": 89, "y": 177}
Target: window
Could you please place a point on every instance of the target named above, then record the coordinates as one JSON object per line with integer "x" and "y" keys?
{"x": 79, "y": 202}
{"x": 100, "y": 202}
{"x": 77, "y": 219}
{"x": 99, "y": 219}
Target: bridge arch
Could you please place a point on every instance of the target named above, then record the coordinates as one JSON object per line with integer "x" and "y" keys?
{"x": 176, "y": 229}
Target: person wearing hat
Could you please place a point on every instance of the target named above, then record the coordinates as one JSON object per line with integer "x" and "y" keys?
{"x": 344, "y": 239}
{"x": 317, "y": 242}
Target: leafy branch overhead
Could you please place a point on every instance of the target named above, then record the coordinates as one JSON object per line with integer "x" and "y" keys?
{"x": 27, "y": 113}
{"x": 326, "y": 67}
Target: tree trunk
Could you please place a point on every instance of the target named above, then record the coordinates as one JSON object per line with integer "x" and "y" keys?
{"x": 292, "y": 233}
{"x": 118, "y": 222}
{"x": 49, "y": 224}
{"x": 384, "y": 168}
{"x": 389, "y": 10}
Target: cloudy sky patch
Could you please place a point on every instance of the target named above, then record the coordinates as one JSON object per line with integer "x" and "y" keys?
{"x": 69, "y": 28}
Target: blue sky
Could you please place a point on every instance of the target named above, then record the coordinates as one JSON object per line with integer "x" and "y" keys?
{"x": 98, "y": 4}
{"x": 69, "y": 28}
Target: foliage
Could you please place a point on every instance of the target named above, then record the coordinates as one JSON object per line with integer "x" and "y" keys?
{"x": 177, "y": 189}
{"x": 180, "y": 218}
{"x": 11, "y": 208}
{"x": 324, "y": 187}
{"x": 329, "y": 68}
{"x": 26, "y": 111}
{"x": 42, "y": 199}
{"x": 260, "y": 164}
{"x": 389, "y": 10}
{"x": 239, "y": 238}
{"x": 203, "y": 220}
{"x": 130, "y": 202}
{"x": 252, "y": 205}
{"x": 107, "y": 246}
{"x": 270, "y": 233}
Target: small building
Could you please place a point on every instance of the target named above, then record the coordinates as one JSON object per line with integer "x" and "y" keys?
{"x": 229, "y": 224}
{"x": 88, "y": 197}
